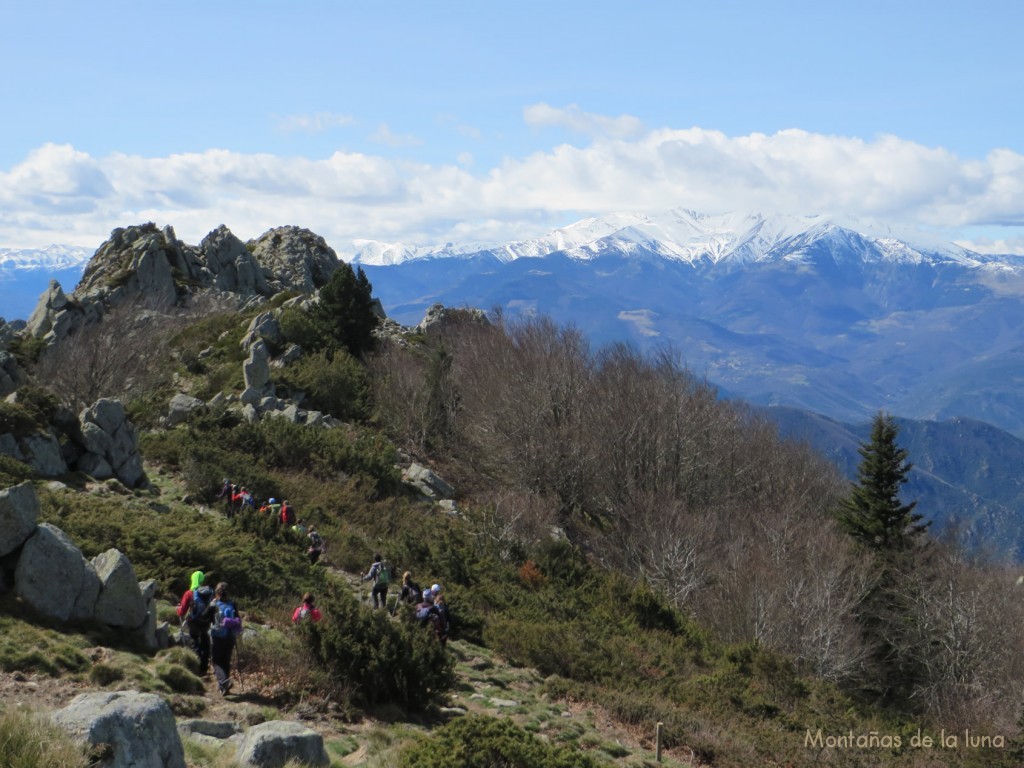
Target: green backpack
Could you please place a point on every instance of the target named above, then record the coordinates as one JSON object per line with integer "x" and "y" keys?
{"x": 384, "y": 574}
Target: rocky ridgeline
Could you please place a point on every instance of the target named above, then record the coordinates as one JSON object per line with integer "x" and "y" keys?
{"x": 149, "y": 266}
{"x": 50, "y": 574}
{"x": 100, "y": 441}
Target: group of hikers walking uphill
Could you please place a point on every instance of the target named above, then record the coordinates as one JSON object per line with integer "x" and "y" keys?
{"x": 238, "y": 500}
{"x": 430, "y": 604}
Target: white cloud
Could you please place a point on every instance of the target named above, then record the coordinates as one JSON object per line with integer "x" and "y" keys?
{"x": 318, "y": 122}
{"x": 576, "y": 120}
{"x": 384, "y": 135}
{"x": 60, "y": 194}
{"x": 999, "y": 246}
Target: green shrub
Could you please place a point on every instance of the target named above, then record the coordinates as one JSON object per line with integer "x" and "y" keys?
{"x": 105, "y": 674}
{"x": 383, "y": 662}
{"x": 179, "y": 679}
{"x": 28, "y": 740}
{"x": 13, "y": 471}
{"x": 335, "y": 384}
{"x": 482, "y": 742}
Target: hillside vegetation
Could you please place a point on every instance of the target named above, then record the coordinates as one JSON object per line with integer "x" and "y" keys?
{"x": 627, "y": 549}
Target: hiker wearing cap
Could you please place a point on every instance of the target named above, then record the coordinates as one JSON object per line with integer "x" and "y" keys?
{"x": 227, "y": 626}
{"x": 195, "y": 613}
{"x": 380, "y": 574}
{"x": 307, "y": 610}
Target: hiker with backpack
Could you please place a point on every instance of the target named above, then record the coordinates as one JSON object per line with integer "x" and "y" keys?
{"x": 316, "y": 545}
{"x": 196, "y": 613}
{"x": 225, "y": 496}
{"x": 307, "y": 610}
{"x": 226, "y": 627}
{"x": 441, "y": 620}
{"x": 274, "y": 508}
{"x": 410, "y": 594}
{"x": 380, "y": 574}
{"x": 287, "y": 515}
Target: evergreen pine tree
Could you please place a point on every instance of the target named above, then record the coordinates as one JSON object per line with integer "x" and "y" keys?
{"x": 345, "y": 311}
{"x": 873, "y": 513}
{"x": 892, "y": 531}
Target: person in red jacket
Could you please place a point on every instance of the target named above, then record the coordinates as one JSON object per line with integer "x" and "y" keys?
{"x": 307, "y": 610}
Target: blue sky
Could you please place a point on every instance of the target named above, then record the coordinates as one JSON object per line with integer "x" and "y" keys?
{"x": 475, "y": 122}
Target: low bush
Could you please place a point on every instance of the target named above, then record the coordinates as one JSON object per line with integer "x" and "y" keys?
{"x": 383, "y": 662}
{"x": 335, "y": 384}
{"x": 486, "y": 741}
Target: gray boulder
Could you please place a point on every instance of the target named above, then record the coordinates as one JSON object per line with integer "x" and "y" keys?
{"x": 85, "y": 604}
{"x": 273, "y": 744}
{"x": 264, "y": 327}
{"x": 9, "y": 375}
{"x": 19, "y": 513}
{"x": 105, "y": 413}
{"x": 42, "y": 452}
{"x": 50, "y": 573}
{"x": 138, "y": 726}
{"x": 257, "y": 368}
{"x": 112, "y": 444}
{"x": 120, "y": 602}
{"x": 233, "y": 267}
{"x": 52, "y": 301}
{"x": 180, "y": 407}
{"x": 95, "y": 466}
{"x": 427, "y": 482}
{"x": 438, "y": 316}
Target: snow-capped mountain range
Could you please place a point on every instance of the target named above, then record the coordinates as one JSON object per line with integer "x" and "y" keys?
{"x": 52, "y": 257}
{"x": 687, "y": 236}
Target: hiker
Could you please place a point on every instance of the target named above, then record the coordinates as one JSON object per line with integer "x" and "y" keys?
{"x": 225, "y": 496}
{"x": 425, "y": 608}
{"x": 380, "y": 573}
{"x": 248, "y": 503}
{"x": 237, "y": 497}
{"x": 227, "y": 626}
{"x": 410, "y": 594}
{"x": 195, "y": 612}
{"x": 316, "y": 545}
{"x": 287, "y": 514}
{"x": 441, "y": 620}
{"x": 299, "y": 530}
{"x": 307, "y": 610}
{"x": 274, "y": 508}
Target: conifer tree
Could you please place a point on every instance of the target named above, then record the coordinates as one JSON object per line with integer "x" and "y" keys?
{"x": 345, "y": 310}
{"x": 873, "y": 513}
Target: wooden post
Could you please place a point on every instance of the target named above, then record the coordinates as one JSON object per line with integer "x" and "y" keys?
{"x": 657, "y": 741}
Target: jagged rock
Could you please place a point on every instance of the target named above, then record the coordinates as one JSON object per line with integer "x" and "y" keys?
{"x": 273, "y": 744}
{"x": 119, "y": 449}
{"x": 427, "y": 483}
{"x": 257, "y": 368}
{"x": 107, "y": 414}
{"x": 264, "y": 327}
{"x": 138, "y": 726}
{"x": 53, "y": 300}
{"x": 43, "y": 453}
{"x": 268, "y": 404}
{"x": 120, "y": 603}
{"x": 299, "y": 259}
{"x": 438, "y": 316}
{"x": 180, "y": 407}
{"x": 50, "y": 572}
{"x": 290, "y": 355}
{"x": 19, "y": 514}
{"x": 290, "y": 413}
{"x": 234, "y": 268}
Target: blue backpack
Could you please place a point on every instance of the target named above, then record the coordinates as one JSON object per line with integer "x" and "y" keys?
{"x": 200, "y": 611}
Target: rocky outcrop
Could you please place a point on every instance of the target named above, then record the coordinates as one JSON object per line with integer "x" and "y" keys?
{"x": 299, "y": 260}
{"x": 120, "y": 602}
{"x": 275, "y": 743}
{"x": 233, "y": 267}
{"x": 9, "y": 373}
{"x": 111, "y": 444}
{"x": 52, "y": 577}
{"x": 427, "y": 482}
{"x": 50, "y": 573}
{"x": 139, "y": 728}
{"x": 439, "y": 316}
{"x": 180, "y": 408}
